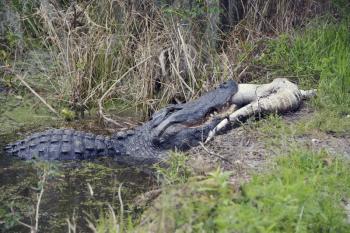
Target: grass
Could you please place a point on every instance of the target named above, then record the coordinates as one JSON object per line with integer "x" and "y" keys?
{"x": 175, "y": 171}
{"x": 135, "y": 50}
{"x": 22, "y": 112}
{"x": 301, "y": 192}
{"x": 94, "y": 44}
{"x": 318, "y": 57}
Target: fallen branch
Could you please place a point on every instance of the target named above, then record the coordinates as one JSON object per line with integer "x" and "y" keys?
{"x": 214, "y": 154}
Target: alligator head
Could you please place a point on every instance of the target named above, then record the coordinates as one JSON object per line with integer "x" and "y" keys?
{"x": 184, "y": 125}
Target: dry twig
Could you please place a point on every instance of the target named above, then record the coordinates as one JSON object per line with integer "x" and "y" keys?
{"x": 35, "y": 227}
{"x": 21, "y": 79}
{"x": 100, "y": 101}
{"x": 214, "y": 154}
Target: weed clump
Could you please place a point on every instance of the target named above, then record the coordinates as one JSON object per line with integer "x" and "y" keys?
{"x": 175, "y": 171}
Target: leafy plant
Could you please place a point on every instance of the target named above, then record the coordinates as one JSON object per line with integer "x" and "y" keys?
{"x": 175, "y": 170}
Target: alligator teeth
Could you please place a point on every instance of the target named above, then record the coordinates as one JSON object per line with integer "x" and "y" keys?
{"x": 214, "y": 113}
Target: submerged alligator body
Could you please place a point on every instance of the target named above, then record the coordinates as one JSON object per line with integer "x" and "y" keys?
{"x": 178, "y": 126}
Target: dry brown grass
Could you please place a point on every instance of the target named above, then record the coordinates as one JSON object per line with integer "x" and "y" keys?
{"x": 96, "y": 43}
{"x": 262, "y": 20}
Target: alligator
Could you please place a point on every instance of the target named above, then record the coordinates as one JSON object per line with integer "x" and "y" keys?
{"x": 177, "y": 126}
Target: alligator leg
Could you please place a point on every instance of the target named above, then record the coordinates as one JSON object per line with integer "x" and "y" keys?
{"x": 277, "y": 97}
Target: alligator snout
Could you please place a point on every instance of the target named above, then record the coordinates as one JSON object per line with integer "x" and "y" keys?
{"x": 195, "y": 112}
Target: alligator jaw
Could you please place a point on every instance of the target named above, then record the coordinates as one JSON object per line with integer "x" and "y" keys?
{"x": 184, "y": 125}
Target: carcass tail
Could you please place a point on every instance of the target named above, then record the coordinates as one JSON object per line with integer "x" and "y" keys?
{"x": 62, "y": 144}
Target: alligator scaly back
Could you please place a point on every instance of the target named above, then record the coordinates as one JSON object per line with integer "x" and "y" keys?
{"x": 62, "y": 144}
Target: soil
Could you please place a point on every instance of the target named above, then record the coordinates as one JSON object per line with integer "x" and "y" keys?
{"x": 246, "y": 150}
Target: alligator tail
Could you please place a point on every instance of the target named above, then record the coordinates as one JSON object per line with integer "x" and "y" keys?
{"x": 62, "y": 144}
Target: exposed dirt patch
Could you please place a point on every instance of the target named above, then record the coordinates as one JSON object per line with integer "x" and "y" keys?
{"x": 240, "y": 150}
{"x": 246, "y": 148}
{"x": 316, "y": 140}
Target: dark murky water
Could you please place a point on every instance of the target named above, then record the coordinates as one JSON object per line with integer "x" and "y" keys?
{"x": 67, "y": 193}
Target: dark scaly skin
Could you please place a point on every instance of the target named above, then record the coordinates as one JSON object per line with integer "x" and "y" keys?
{"x": 130, "y": 146}
{"x": 176, "y": 126}
{"x": 61, "y": 144}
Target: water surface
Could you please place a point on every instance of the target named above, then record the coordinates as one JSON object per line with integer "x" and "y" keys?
{"x": 68, "y": 192}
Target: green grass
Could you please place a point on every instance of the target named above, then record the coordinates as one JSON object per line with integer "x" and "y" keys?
{"x": 23, "y": 113}
{"x": 175, "y": 170}
{"x": 302, "y": 192}
{"x": 110, "y": 222}
{"x": 318, "y": 57}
